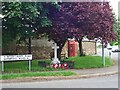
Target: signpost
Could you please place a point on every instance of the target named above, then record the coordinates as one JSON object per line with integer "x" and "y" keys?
{"x": 103, "y": 55}
{"x": 109, "y": 49}
{"x": 4, "y": 58}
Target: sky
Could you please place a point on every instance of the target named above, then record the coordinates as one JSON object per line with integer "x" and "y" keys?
{"x": 114, "y": 4}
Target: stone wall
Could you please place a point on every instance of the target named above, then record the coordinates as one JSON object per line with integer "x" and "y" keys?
{"x": 89, "y": 47}
{"x": 65, "y": 50}
{"x": 41, "y": 49}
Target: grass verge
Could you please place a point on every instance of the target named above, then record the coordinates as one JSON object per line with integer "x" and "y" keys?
{"x": 32, "y": 74}
{"x": 22, "y": 66}
{"x": 79, "y": 63}
{"x": 89, "y": 62}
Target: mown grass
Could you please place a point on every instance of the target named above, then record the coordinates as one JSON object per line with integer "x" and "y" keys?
{"x": 20, "y": 69}
{"x": 79, "y": 63}
{"x": 31, "y": 74}
{"x": 22, "y": 66}
{"x": 89, "y": 62}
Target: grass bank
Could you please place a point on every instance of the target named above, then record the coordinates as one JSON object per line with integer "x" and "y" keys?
{"x": 89, "y": 62}
{"x": 34, "y": 74}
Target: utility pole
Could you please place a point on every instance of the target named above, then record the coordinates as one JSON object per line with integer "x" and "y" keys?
{"x": 103, "y": 55}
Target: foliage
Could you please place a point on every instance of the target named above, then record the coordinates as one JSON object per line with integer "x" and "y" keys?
{"x": 114, "y": 43}
{"x": 31, "y": 74}
{"x": 17, "y": 21}
{"x": 58, "y": 32}
{"x": 93, "y": 20}
{"x": 89, "y": 62}
{"x": 117, "y": 30}
{"x": 22, "y": 19}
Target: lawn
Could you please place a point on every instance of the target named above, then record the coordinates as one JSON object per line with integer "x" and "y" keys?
{"x": 89, "y": 62}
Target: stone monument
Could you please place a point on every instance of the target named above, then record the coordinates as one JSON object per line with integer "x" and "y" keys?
{"x": 55, "y": 59}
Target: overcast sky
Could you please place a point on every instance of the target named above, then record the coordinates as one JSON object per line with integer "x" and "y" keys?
{"x": 114, "y": 4}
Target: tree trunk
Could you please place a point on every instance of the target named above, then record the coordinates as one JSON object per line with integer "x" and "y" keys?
{"x": 59, "y": 51}
{"x": 29, "y": 45}
{"x": 29, "y": 51}
{"x": 80, "y": 47}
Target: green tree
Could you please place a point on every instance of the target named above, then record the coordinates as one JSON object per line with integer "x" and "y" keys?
{"x": 18, "y": 20}
{"x": 22, "y": 20}
{"x": 117, "y": 30}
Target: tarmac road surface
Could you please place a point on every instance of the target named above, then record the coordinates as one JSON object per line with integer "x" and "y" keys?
{"x": 95, "y": 82}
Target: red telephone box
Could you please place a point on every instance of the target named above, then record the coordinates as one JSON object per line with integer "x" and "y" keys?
{"x": 72, "y": 48}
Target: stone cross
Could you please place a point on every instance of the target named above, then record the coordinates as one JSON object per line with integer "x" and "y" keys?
{"x": 55, "y": 59}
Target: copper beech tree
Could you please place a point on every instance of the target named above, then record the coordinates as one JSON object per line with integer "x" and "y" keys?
{"x": 93, "y": 20}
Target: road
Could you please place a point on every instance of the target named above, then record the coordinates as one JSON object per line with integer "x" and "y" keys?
{"x": 96, "y": 82}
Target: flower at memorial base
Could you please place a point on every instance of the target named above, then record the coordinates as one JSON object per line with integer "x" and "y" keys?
{"x": 65, "y": 66}
{"x": 55, "y": 65}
